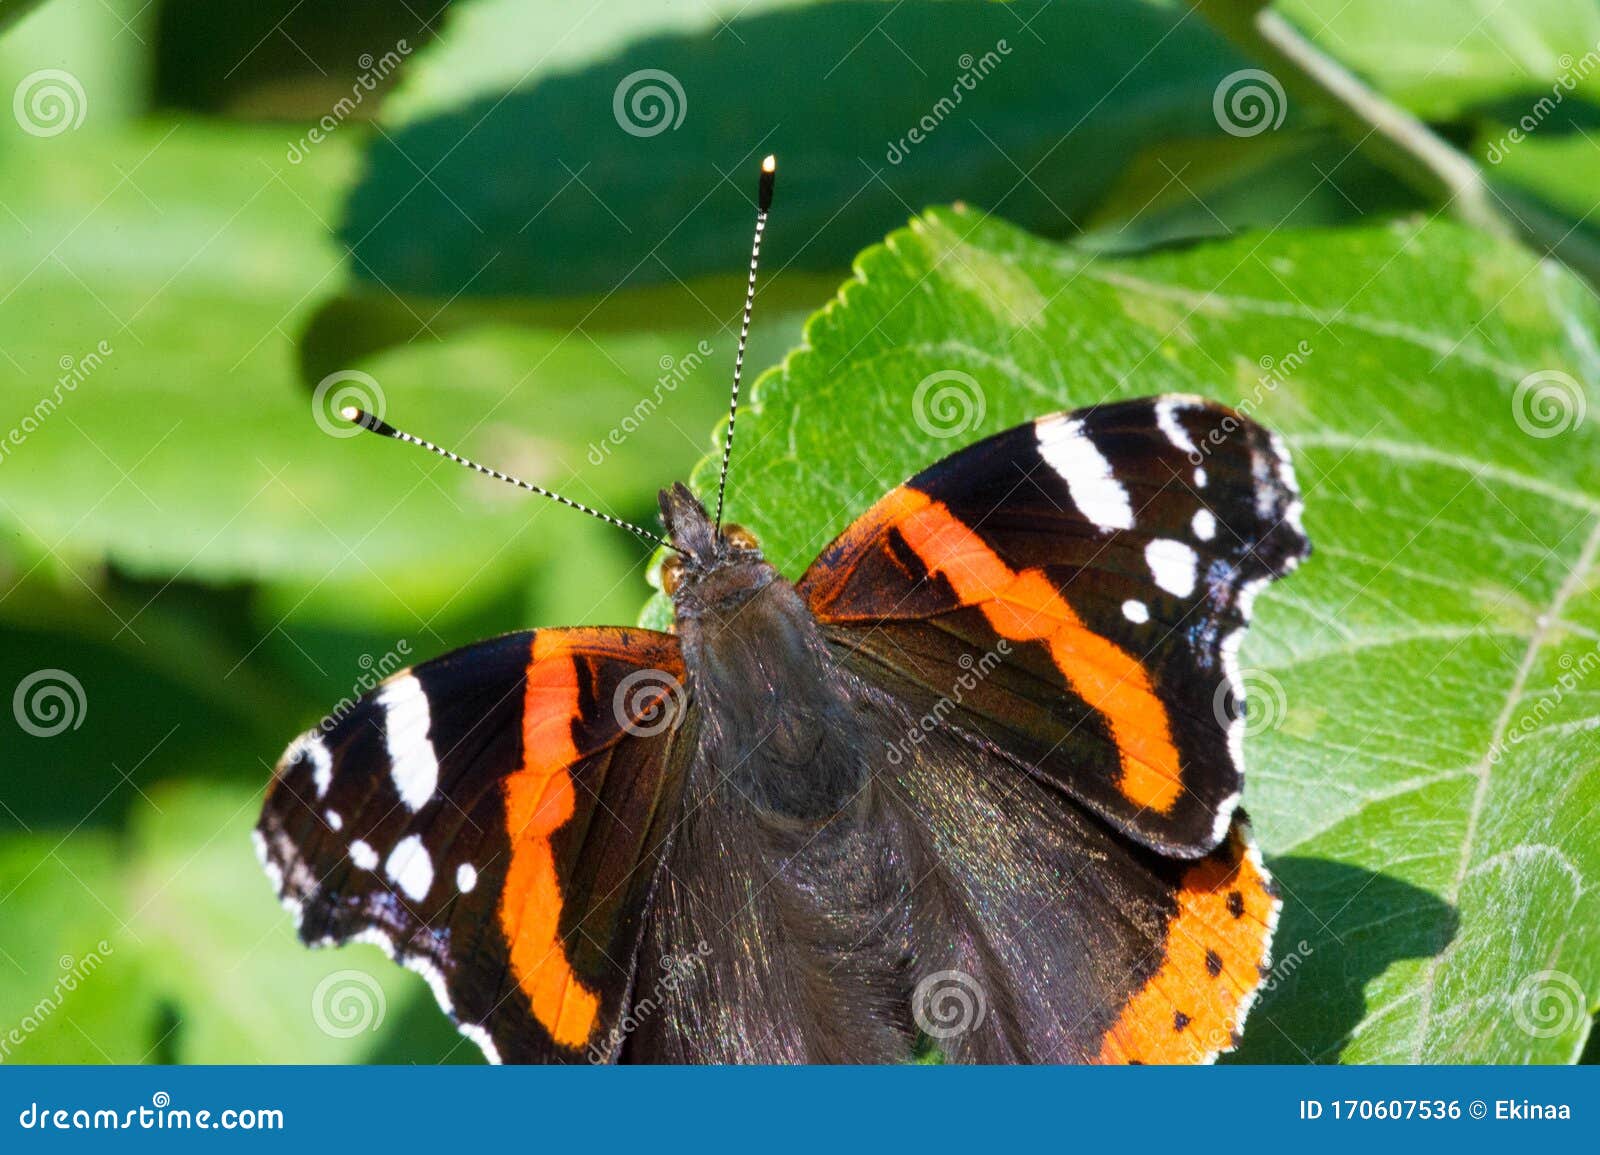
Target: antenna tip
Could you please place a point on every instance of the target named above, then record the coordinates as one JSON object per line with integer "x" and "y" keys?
{"x": 769, "y": 169}
{"x": 351, "y": 413}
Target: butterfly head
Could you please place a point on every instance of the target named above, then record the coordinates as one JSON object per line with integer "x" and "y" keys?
{"x": 710, "y": 565}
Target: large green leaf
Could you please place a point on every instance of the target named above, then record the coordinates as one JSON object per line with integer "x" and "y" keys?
{"x": 562, "y": 185}
{"x": 1423, "y": 765}
{"x": 1442, "y": 58}
{"x": 157, "y": 421}
{"x": 170, "y": 948}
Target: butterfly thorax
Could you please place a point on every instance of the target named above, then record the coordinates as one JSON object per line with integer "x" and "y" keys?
{"x": 778, "y": 727}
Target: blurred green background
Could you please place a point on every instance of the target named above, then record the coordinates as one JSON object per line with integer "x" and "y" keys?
{"x": 220, "y": 221}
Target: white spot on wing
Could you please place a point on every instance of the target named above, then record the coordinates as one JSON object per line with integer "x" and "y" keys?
{"x": 335, "y": 821}
{"x": 1070, "y": 451}
{"x": 1173, "y": 564}
{"x": 1205, "y": 525}
{"x": 1136, "y": 611}
{"x": 466, "y": 877}
{"x": 1199, "y": 478}
{"x": 1167, "y": 410}
{"x": 371, "y": 934}
{"x": 410, "y": 867}
{"x": 363, "y": 855}
{"x": 273, "y": 870}
{"x": 412, "y": 761}
{"x": 309, "y": 746}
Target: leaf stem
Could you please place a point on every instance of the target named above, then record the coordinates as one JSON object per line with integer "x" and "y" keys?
{"x": 1392, "y": 136}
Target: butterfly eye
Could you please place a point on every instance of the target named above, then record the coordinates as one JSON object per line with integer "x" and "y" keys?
{"x": 740, "y": 537}
{"x": 671, "y": 574}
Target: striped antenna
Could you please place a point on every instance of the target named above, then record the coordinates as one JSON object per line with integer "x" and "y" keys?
{"x": 377, "y": 425}
{"x": 769, "y": 171}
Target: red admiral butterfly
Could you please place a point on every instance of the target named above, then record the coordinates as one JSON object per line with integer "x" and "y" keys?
{"x": 972, "y": 763}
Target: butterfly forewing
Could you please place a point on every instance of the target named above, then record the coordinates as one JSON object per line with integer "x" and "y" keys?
{"x": 1075, "y": 590}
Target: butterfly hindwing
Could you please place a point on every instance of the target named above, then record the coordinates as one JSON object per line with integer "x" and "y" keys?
{"x": 494, "y": 820}
{"x": 1041, "y": 935}
{"x": 1074, "y": 590}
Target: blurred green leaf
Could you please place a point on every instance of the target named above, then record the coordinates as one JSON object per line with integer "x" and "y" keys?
{"x": 490, "y": 46}
{"x": 158, "y": 424}
{"x": 1429, "y": 682}
{"x": 1441, "y": 58}
{"x": 222, "y": 955}
{"x": 1560, "y": 169}
{"x": 624, "y": 166}
{"x": 171, "y": 948}
{"x": 69, "y": 971}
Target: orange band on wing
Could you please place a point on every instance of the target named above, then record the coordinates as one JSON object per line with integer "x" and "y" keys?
{"x": 1025, "y": 606}
{"x": 539, "y": 799}
{"x": 1217, "y": 942}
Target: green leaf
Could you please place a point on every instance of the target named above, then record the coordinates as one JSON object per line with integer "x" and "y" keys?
{"x": 1441, "y": 58}
{"x": 1423, "y": 769}
{"x": 222, "y": 955}
{"x": 157, "y": 422}
{"x": 556, "y": 188}
{"x": 66, "y": 966}
{"x": 169, "y": 947}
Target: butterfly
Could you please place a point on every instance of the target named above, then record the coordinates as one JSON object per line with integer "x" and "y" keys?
{"x": 969, "y": 786}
